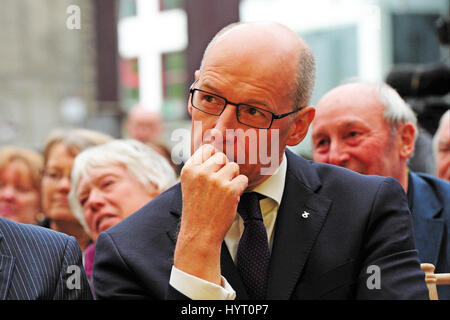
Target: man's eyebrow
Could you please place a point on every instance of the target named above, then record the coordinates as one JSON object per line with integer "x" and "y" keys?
{"x": 318, "y": 134}
{"x": 344, "y": 125}
{"x": 210, "y": 88}
{"x": 350, "y": 123}
{"x": 206, "y": 85}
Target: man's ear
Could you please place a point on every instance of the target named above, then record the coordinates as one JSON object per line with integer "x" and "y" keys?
{"x": 406, "y": 133}
{"x": 300, "y": 126}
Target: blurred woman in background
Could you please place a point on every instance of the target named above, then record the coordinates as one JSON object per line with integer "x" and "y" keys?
{"x": 61, "y": 148}
{"x": 20, "y": 179}
{"x": 112, "y": 181}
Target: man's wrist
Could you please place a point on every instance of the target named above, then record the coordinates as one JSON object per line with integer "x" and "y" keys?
{"x": 198, "y": 289}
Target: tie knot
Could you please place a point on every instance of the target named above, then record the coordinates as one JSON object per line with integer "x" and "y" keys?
{"x": 248, "y": 207}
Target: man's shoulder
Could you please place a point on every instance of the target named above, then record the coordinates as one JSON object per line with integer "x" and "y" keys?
{"x": 431, "y": 188}
{"x": 423, "y": 178}
{"x": 20, "y": 232}
{"x": 330, "y": 177}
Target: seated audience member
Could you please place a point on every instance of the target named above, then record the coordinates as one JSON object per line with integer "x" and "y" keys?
{"x": 441, "y": 146}
{"x": 368, "y": 128}
{"x": 20, "y": 179}
{"x": 311, "y": 230}
{"x": 40, "y": 264}
{"x": 59, "y": 153}
{"x": 144, "y": 124}
{"x": 111, "y": 181}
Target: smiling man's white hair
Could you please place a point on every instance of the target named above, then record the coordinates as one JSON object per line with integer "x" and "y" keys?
{"x": 396, "y": 110}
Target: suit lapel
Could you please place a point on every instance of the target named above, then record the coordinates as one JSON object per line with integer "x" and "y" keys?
{"x": 175, "y": 210}
{"x": 231, "y": 273}
{"x": 6, "y": 271}
{"x": 428, "y": 229}
{"x": 299, "y": 221}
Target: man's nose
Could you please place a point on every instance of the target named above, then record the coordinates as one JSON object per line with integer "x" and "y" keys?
{"x": 227, "y": 120}
{"x": 338, "y": 155}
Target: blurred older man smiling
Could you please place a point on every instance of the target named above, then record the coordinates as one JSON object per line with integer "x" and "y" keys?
{"x": 368, "y": 128}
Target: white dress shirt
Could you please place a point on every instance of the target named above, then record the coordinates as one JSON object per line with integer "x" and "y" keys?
{"x": 199, "y": 289}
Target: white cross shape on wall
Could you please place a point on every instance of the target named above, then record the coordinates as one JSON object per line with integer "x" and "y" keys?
{"x": 146, "y": 36}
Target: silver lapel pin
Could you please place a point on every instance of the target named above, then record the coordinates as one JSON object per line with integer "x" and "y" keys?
{"x": 305, "y": 215}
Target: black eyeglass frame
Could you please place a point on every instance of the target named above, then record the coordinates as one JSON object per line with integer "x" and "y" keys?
{"x": 237, "y": 105}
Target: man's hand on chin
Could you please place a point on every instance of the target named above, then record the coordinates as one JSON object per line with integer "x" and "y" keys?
{"x": 211, "y": 187}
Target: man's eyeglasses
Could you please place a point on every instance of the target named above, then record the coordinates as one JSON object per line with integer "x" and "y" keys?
{"x": 251, "y": 116}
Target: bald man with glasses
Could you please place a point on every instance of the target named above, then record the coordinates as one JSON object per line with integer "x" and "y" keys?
{"x": 241, "y": 227}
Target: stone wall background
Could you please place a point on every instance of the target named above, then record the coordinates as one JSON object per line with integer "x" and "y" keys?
{"x": 42, "y": 62}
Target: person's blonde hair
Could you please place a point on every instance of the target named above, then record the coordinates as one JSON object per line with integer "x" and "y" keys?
{"x": 32, "y": 159}
{"x": 76, "y": 140}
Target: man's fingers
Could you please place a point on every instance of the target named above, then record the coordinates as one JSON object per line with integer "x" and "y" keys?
{"x": 215, "y": 162}
{"x": 203, "y": 153}
{"x": 229, "y": 171}
{"x": 240, "y": 183}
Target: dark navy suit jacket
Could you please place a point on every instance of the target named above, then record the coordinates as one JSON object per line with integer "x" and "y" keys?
{"x": 429, "y": 202}
{"x": 35, "y": 264}
{"x": 356, "y": 224}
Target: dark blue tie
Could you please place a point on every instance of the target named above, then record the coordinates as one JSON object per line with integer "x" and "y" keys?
{"x": 253, "y": 255}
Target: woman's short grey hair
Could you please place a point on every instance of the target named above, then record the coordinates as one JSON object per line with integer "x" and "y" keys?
{"x": 146, "y": 165}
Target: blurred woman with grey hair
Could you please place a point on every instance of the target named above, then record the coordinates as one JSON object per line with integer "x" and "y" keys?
{"x": 112, "y": 181}
{"x": 61, "y": 148}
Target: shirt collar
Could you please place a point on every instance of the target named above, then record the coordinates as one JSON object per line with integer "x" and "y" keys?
{"x": 274, "y": 186}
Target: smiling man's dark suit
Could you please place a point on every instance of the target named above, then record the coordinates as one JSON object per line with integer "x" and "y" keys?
{"x": 40, "y": 264}
{"x": 429, "y": 202}
{"x": 354, "y": 222}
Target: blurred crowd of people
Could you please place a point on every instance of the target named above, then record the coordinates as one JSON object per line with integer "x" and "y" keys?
{"x": 35, "y": 186}
{"x": 84, "y": 182}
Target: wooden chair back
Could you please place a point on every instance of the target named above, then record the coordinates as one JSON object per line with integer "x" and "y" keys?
{"x": 434, "y": 279}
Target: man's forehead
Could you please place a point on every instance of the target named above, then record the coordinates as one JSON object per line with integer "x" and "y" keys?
{"x": 351, "y": 92}
{"x": 341, "y": 123}
{"x": 357, "y": 99}
{"x": 258, "y": 40}
{"x": 268, "y": 30}
{"x": 343, "y": 112}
